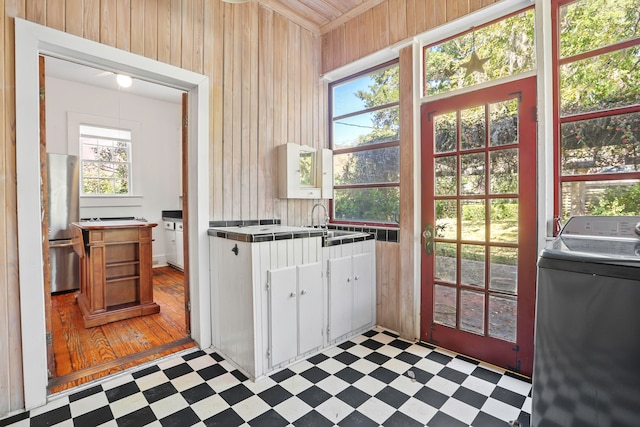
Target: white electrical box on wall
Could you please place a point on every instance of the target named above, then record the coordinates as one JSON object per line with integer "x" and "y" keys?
{"x": 304, "y": 172}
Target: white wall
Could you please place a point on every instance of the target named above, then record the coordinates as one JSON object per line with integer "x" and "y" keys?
{"x": 156, "y": 149}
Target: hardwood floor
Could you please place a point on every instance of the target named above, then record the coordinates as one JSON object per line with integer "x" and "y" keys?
{"x": 82, "y": 355}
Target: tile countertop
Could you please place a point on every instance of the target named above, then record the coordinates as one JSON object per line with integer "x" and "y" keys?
{"x": 264, "y": 233}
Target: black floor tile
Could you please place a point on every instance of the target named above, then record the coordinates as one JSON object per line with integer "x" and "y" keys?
{"x": 178, "y": 370}
{"x": 467, "y": 359}
{"x": 402, "y": 345}
{"x": 122, "y": 391}
{"x": 269, "y": 419}
{"x": 94, "y": 418}
{"x": 318, "y": 358}
{"x": 507, "y": 396}
{"x": 391, "y": 334}
{"x": 346, "y": 345}
{"x": 486, "y": 420}
{"x": 349, "y": 375}
{"x": 431, "y": 397}
{"x": 146, "y": 371}
{"x": 439, "y": 357}
{"x": 14, "y": 419}
{"x": 85, "y": 393}
{"x": 383, "y": 374}
{"x": 452, "y": 375}
{"x": 409, "y": 358}
{"x": 52, "y": 417}
{"x": 377, "y": 358}
{"x": 353, "y": 396}
{"x": 443, "y": 420}
{"x": 194, "y": 355}
{"x": 236, "y": 394}
{"x": 197, "y": 393}
{"x": 159, "y": 392}
{"x": 372, "y": 344}
{"x": 141, "y": 417}
{"x": 399, "y": 419}
{"x": 183, "y": 418}
{"x": 275, "y": 395}
{"x": 470, "y": 397}
{"x": 313, "y": 419}
{"x": 216, "y": 357}
{"x": 357, "y": 419}
{"x": 239, "y": 375}
{"x": 419, "y": 375}
{"x": 282, "y": 375}
{"x": 487, "y": 375}
{"x": 211, "y": 372}
{"x": 370, "y": 333}
{"x": 313, "y": 396}
{"x": 314, "y": 374}
{"x": 226, "y": 418}
{"x": 346, "y": 357}
{"x": 392, "y": 397}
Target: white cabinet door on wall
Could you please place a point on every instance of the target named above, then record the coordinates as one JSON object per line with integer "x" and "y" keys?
{"x": 362, "y": 290}
{"x": 170, "y": 234}
{"x": 179, "y": 245}
{"x": 295, "y": 306}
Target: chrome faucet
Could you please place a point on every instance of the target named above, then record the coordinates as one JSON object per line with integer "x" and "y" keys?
{"x": 326, "y": 216}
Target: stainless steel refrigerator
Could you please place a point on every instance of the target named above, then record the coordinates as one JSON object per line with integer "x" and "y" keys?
{"x": 63, "y": 209}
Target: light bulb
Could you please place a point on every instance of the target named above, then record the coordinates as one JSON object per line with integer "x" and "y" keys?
{"x": 124, "y": 81}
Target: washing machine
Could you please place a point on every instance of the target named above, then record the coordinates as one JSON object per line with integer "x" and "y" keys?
{"x": 587, "y": 331}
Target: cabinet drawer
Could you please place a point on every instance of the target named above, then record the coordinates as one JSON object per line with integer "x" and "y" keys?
{"x": 179, "y": 226}
{"x": 169, "y": 225}
{"x": 121, "y": 235}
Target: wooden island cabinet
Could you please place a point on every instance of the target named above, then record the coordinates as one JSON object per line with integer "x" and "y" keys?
{"x": 115, "y": 270}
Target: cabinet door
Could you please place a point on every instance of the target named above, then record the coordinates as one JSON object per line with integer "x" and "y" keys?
{"x": 363, "y": 288}
{"x": 340, "y": 297}
{"x": 283, "y": 328}
{"x": 170, "y": 234}
{"x": 179, "y": 246}
{"x": 309, "y": 307}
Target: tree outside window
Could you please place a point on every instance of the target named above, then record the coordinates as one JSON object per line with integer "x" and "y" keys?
{"x": 105, "y": 161}
{"x": 365, "y": 137}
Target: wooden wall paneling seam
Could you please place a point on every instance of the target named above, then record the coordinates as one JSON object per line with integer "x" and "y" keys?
{"x": 176, "y": 32}
{"x": 281, "y": 39}
{"x": 351, "y": 42}
{"x": 475, "y": 5}
{"x": 236, "y": 105}
{"x": 399, "y": 29}
{"x": 137, "y": 26}
{"x": 123, "y": 24}
{"x": 254, "y": 138}
{"x": 326, "y": 52}
{"x": 214, "y": 54}
{"x": 422, "y": 16}
{"x": 227, "y": 104}
{"x": 92, "y": 20}
{"x": 365, "y": 33}
{"x": 456, "y": 9}
{"x": 198, "y": 36}
{"x": 246, "y": 75}
{"x": 55, "y": 14}
{"x": 266, "y": 155}
{"x": 11, "y": 303}
{"x": 407, "y": 178}
{"x": 187, "y": 36}
{"x": 164, "y": 31}
{"x": 411, "y": 18}
{"x": 74, "y": 17}
{"x": 108, "y": 22}
{"x": 440, "y": 12}
{"x": 293, "y": 49}
{"x": 36, "y": 11}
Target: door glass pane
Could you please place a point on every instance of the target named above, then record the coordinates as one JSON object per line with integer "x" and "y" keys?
{"x": 472, "y": 265}
{"x": 473, "y": 219}
{"x": 446, "y": 180}
{"x": 446, "y": 219}
{"x": 446, "y": 131}
{"x": 502, "y": 317}
{"x": 472, "y": 173}
{"x": 472, "y": 312}
{"x": 445, "y": 262}
{"x": 503, "y": 171}
{"x": 503, "y": 125}
{"x": 503, "y": 270}
{"x": 504, "y": 220}
{"x": 444, "y": 310}
{"x": 472, "y": 128}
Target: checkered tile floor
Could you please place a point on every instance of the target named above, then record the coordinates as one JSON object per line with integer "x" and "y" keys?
{"x": 373, "y": 379}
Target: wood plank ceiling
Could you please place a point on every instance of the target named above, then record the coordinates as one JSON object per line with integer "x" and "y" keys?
{"x": 320, "y": 16}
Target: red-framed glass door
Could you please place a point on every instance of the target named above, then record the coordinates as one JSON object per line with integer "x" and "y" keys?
{"x": 479, "y": 221}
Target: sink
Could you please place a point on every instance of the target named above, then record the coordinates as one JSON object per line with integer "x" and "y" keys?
{"x": 336, "y": 237}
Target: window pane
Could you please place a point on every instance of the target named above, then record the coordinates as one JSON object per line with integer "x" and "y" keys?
{"x": 590, "y": 24}
{"x": 472, "y": 312}
{"x": 364, "y": 92}
{"x": 503, "y": 127}
{"x": 472, "y": 266}
{"x": 613, "y": 197}
{"x": 502, "y": 318}
{"x": 601, "y": 145}
{"x": 446, "y": 219}
{"x": 507, "y": 46}
{"x": 503, "y": 171}
{"x": 472, "y": 173}
{"x": 446, "y": 131}
{"x": 446, "y": 180}
{"x": 473, "y": 128}
{"x": 367, "y": 167}
{"x": 600, "y": 83}
{"x": 368, "y": 128}
{"x": 473, "y": 219}
{"x": 504, "y": 220}
{"x": 444, "y": 310}
{"x": 503, "y": 270}
{"x": 445, "y": 261}
{"x": 367, "y": 204}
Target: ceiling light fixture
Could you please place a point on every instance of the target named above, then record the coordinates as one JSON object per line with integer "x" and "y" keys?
{"x": 124, "y": 81}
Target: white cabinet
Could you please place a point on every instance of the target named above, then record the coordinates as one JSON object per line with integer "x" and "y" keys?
{"x": 179, "y": 246}
{"x": 351, "y": 286}
{"x": 295, "y": 311}
{"x": 170, "y": 234}
{"x": 304, "y": 172}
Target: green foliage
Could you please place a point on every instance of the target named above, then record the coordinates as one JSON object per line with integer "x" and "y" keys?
{"x": 618, "y": 201}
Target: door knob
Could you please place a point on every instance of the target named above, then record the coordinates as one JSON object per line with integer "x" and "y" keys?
{"x": 303, "y": 292}
{"x": 292, "y": 294}
{"x": 427, "y": 234}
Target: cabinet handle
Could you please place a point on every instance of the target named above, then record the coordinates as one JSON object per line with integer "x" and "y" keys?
{"x": 357, "y": 277}
{"x": 292, "y": 294}
{"x": 303, "y": 292}
{"x": 348, "y": 279}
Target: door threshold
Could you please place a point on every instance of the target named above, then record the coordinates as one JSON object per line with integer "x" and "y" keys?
{"x": 119, "y": 365}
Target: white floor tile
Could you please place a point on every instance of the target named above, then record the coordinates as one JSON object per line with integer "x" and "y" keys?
{"x": 128, "y": 404}
{"x": 207, "y": 408}
{"x": 250, "y": 408}
{"x": 460, "y": 410}
{"x": 376, "y": 410}
{"x": 168, "y": 405}
{"x": 334, "y": 409}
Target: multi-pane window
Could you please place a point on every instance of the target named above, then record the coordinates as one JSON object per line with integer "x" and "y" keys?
{"x": 597, "y": 52}
{"x": 365, "y": 137}
{"x": 105, "y": 160}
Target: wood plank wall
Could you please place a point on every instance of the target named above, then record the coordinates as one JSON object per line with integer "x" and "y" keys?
{"x": 264, "y": 72}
